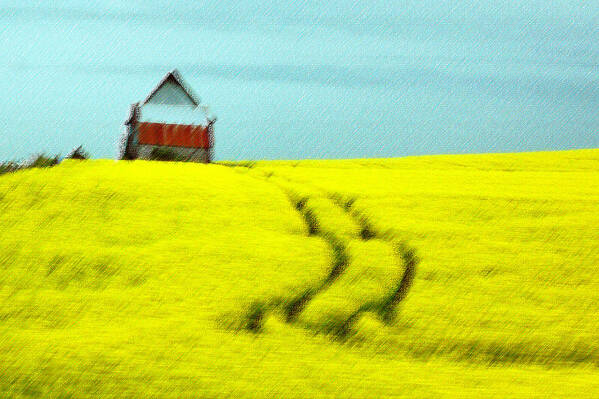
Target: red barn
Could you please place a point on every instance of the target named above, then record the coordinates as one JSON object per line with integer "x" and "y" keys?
{"x": 169, "y": 124}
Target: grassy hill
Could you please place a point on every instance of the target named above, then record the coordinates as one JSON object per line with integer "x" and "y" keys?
{"x": 291, "y": 279}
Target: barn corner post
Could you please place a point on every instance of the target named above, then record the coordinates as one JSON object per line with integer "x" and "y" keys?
{"x": 127, "y": 150}
{"x": 210, "y": 131}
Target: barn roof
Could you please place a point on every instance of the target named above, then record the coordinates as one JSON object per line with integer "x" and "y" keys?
{"x": 132, "y": 113}
{"x": 175, "y": 79}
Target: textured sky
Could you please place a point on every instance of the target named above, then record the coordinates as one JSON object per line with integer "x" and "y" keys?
{"x": 333, "y": 79}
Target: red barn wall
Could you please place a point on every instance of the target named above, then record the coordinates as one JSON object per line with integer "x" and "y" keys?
{"x": 173, "y": 135}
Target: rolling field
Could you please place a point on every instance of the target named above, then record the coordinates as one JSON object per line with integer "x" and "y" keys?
{"x": 438, "y": 276}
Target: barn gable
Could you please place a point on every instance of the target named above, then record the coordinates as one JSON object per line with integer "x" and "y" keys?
{"x": 171, "y": 90}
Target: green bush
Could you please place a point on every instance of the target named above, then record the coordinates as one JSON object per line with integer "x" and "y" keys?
{"x": 39, "y": 161}
{"x": 165, "y": 154}
{"x": 78, "y": 153}
{"x": 7, "y": 167}
{"x": 43, "y": 161}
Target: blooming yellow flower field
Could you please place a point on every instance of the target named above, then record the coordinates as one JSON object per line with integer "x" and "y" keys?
{"x": 146, "y": 279}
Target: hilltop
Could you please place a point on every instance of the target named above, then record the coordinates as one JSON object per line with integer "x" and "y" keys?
{"x": 434, "y": 276}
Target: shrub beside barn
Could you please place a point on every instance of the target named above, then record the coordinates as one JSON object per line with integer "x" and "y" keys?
{"x": 170, "y": 122}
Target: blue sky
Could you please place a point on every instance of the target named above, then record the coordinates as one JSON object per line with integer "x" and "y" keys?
{"x": 335, "y": 79}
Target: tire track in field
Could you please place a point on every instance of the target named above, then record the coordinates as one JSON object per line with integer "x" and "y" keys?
{"x": 340, "y": 258}
{"x": 493, "y": 353}
{"x": 386, "y": 308}
{"x": 292, "y": 307}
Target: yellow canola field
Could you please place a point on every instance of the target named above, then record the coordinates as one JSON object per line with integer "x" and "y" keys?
{"x": 140, "y": 279}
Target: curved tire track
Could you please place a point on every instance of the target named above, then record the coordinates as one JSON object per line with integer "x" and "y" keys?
{"x": 386, "y": 308}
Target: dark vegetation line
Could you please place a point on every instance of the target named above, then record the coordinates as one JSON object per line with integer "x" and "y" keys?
{"x": 386, "y": 308}
{"x": 237, "y": 164}
{"x": 41, "y": 161}
{"x": 388, "y": 305}
{"x": 293, "y": 306}
{"x": 367, "y": 230}
{"x": 339, "y": 258}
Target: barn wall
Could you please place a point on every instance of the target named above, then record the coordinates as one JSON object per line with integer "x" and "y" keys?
{"x": 196, "y": 154}
{"x": 171, "y": 93}
{"x": 168, "y": 134}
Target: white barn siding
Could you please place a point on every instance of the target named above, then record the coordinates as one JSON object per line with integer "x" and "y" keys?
{"x": 170, "y": 93}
